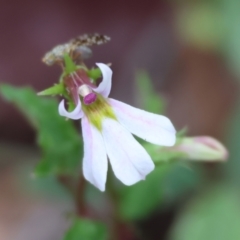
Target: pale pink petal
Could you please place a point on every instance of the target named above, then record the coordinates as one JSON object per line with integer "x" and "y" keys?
{"x": 77, "y": 113}
{"x": 130, "y": 161}
{"x": 153, "y": 128}
{"x": 202, "y": 148}
{"x": 95, "y": 158}
{"x": 104, "y": 87}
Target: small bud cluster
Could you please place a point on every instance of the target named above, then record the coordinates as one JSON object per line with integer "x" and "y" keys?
{"x": 77, "y": 80}
{"x": 77, "y": 48}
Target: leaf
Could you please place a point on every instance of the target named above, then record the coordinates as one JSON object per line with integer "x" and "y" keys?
{"x": 166, "y": 185}
{"x": 213, "y": 215}
{"x": 203, "y": 25}
{"x": 233, "y": 137}
{"x": 83, "y": 229}
{"x": 140, "y": 199}
{"x": 148, "y": 98}
{"x": 180, "y": 180}
{"x": 59, "y": 141}
{"x": 232, "y": 37}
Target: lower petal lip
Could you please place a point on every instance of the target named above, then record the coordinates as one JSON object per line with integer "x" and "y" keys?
{"x": 95, "y": 163}
{"x": 130, "y": 161}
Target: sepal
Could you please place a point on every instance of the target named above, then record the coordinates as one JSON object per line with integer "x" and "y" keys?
{"x": 94, "y": 74}
{"x": 56, "y": 89}
{"x": 70, "y": 66}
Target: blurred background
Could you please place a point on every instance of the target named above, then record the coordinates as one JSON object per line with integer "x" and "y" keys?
{"x": 191, "y": 51}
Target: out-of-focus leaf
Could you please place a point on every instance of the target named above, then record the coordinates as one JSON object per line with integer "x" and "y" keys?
{"x": 202, "y": 24}
{"x": 97, "y": 201}
{"x": 179, "y": 181}
{"x": 60, "y": 143}
{"x": 233, "y": 138}
{"x": 140, "y": 199}
{"x": 182, "y": 133}
{"x": 148, "y": 98}
{"x": 166, "y": 185}
{"x": 83, "y": 229}
{"x": 231, "y": 46}
{"x": 48, "y": 186}
{"x": 214, "y": 215}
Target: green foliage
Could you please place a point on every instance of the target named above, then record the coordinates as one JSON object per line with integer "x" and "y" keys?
{"x": 182, "y": 133}
{"x": 212, "y": 24}
{"x": 202, "y": 25}
{"x": 162, "y": 154}
{"x": 180, "y": 180}
{"x": 139, "y": 200}
{"x": 168, "y": 182}
{"x": 213, "y": 215}
{"x": 166, "y": 185}
{"x": 148, "y": 98}
{"x": 232, "y": 47}
{"x": 56, "y": 89}
{"x": 70, "y": 66}
{"x": 94, "y": 73}
{"x": 60, "y": 143}
{"x": 231, "y": 168}
{"x": 83, "y": 229}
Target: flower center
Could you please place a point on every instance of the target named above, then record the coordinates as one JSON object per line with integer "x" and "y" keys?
{"x": 88, "y": 95}
{"x": 90, "y": 98}
{"x": 98, "y": 110}
{"x": 78, "y": 84}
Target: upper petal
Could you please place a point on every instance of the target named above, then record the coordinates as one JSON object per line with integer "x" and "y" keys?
{"x": 77, "y": 113}
{"x": 153, "y": 128}
{"x": 104, "y": 87}
{"x": 130, "y": 161}
{"x": 95, "y": 158}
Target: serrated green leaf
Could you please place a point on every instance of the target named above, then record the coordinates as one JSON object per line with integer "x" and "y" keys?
{"x": 83, "y": 229}
{"x": 148, "y": 98}
{"x": 60, "y": 143}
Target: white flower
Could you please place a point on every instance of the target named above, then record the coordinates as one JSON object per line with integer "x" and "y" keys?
{"x": 107, "y": 125}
